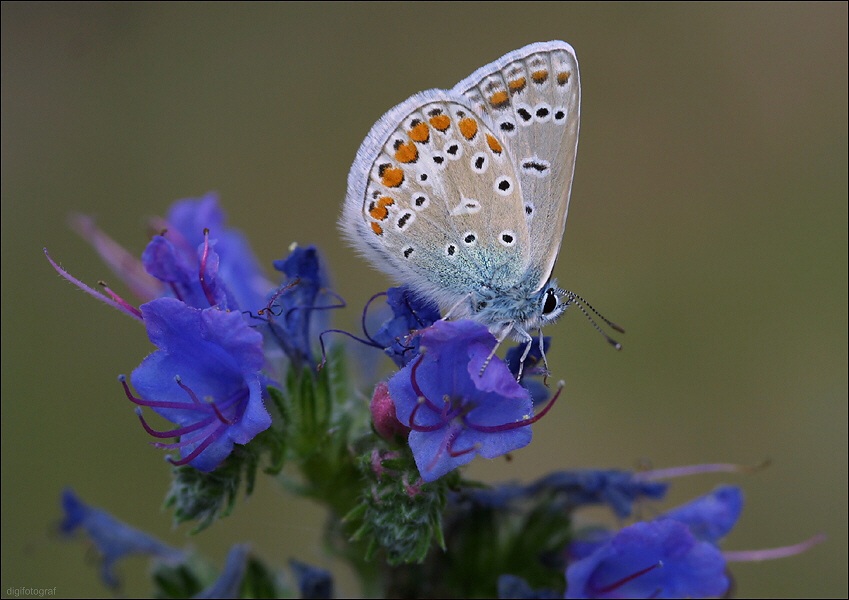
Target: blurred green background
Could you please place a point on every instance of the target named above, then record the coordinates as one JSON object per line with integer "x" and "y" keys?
{"x": 709, "y": 218}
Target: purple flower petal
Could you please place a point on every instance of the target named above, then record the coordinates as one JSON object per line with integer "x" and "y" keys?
{"x": 466, "y": 411}
{"x": 208, "y": 364}
{"x": 656, "y": 559}
{"x": 712, "y": 516}
{"x": 113, "y": 539}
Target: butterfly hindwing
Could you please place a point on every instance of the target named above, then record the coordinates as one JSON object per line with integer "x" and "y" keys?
{"x": 531, "y": 99}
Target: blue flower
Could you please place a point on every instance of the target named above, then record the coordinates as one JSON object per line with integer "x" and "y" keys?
{"x": 569, "y": 489}
{"x": 618, "y": 489}
{"x": 672, "y": 556}
{"x": 396, "y": 334}
{"x": 192, "y": 276}
{"x": 654, "y": 559}
{"x": 114, "y": 539}
{"x": 410, "y": 313}
{"x": 178, "y": 261}
{"x": 182, "y": 262}
{"x": 125, "y": 265}
{"x": 458, "y": 405}
{"x": 290, "y": 312}
{"x": 206, "y": 378}
{"x": 710, "y": 517}
{"x": 313, "y": 583}
{"x": 229, "y": 581}
{"x": 238, "y": 268}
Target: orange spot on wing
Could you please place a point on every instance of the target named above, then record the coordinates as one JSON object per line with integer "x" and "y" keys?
{"x": 376, "y": 228}
{"x": 379, "y": 210}
{"x": 539, "y": 76}
{"x": 419, "y": 133}
{"x": 517, "y": 85}
{"x": 563, "y": 77}
{"x": 493, "y": 144}
{"x": 391, "y": 176}
{"x": 499, "y": 99}
{"x": 406, "y": 153}
{"x": 379, "y": 213}
{"x": 468, "y": 127}
{"x": 440, "y": 122}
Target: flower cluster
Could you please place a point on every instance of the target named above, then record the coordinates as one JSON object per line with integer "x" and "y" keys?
{"x": 243, "y": 369}
{"x": 180, "y": 572}
{"x": 208, "y": 310}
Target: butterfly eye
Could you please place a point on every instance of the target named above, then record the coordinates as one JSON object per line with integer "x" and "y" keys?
{"x": 550, "y": 302}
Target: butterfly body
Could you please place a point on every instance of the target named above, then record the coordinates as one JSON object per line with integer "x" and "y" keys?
{"x": 462, "y": 194}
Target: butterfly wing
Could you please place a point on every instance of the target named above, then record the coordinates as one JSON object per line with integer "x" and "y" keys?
{"x": 531, "y": 98}
{"x": 434, "y": 201}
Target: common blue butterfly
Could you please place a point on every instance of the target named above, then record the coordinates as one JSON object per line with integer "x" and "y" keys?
{"x": 462, "y": 194}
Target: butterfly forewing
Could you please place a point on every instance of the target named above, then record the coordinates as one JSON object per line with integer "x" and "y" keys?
{"x": 440, "y": 200}
{"x": 531, "y": 99}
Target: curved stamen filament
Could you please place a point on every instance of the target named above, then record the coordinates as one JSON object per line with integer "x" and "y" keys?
{"x": 366, "y": 341}
{"x": 455, "y": 453}
{"x": 269, "y": 308}
{"x": 197, "y": 401}
{"x": 659, "y": 474}
{"x": 173, "y": 446}
{"x": 618, "y": 584}
{"x": 123, "y": 307}
{"x": 773, "y": 553}
{"x": 341, "y": 304}
{"x": 444, "y": 419}
{"x": 516, "y": 424}
{"x": 197, "y": 404}
{"x": 447, "y": 442}
{"x": 365, "y": 314}
{"x": 200, "y": 447}
{"x": 418, "y": 391}
{"x": 151, "y": 403}
{"x": 128, "y": 308}
{"x": 180, "y": 431}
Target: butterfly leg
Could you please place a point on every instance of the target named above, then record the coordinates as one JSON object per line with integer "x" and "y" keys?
{"x": 528, "y": 345}
{"x": 501, "y": 336}
{"x": 544, "y": 359}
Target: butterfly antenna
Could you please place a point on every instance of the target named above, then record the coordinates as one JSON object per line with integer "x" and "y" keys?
{"x": 581, "y": 303}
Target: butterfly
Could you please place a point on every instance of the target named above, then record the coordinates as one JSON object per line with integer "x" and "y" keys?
{"x": 462, "y": 194}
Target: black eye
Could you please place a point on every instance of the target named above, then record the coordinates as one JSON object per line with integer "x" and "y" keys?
{"x": 550, "y": 302}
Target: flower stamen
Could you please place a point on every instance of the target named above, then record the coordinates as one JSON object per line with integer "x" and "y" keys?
{"x": 200, "y": 447}
{"x": 150, "y": 403}
{"x": 517, "y": 424}
{"x": 672, "y": 472}
{"x": 180, "y": 431}
{"x": 123, "y": 306}
{"x": 426, "y": 428}
{"x": 420, "y": 394}
{"x": 627, "y": 579}
{"x": 773, "y": 553}
{"x": 209, "y": 403}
